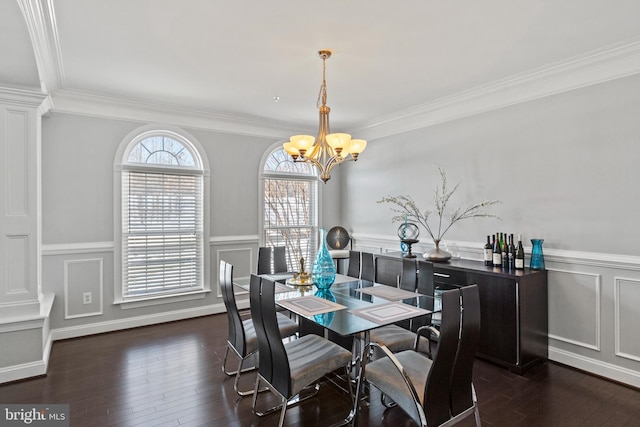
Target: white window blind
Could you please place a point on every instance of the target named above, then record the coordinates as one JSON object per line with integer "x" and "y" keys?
{"x": 162, "y": 233}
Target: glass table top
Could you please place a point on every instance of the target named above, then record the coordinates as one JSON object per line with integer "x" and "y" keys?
{"x": 362, "y": 301}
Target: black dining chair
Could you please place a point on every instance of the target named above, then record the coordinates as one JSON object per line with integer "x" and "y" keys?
{"x": 401, "y": 335}
{"x": 409, "y": 277}
{"x": 418, "y": 385}
{"x": 264, "y": 260}
{"x": 353, "y": 270}
{"x": 447, "y": 393}
{"x": 288, "y": 368}
{"x": 242, "y": 339}
{"x": 279, "y": 259}
{"x": 463, "y": 394}
{"x": 368, "y": 267}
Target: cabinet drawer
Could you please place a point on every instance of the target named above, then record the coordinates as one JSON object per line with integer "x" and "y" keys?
{"x": 449, "y": 278}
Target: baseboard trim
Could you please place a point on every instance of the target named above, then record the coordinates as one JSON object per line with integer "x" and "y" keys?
{"x": 134, "y": 322}
{"x": 597, "y": 367}
{"x": 23, "y": 371}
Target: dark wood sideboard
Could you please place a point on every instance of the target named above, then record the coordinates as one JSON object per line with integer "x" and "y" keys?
{"x": 513, "y": 305}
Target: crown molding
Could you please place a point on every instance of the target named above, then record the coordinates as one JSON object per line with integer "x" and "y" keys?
{"x": 85, "y": 104}
{"x": 599, "y": 66}
{"x": 25, "y": 97}
{"x": 41, "y": 23}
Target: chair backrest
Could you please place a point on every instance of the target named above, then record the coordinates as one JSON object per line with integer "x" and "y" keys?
{"x": 273, "y": 364}
{"x": 264, "y": 260}
{"x": 436, "y": 403}
{"x": 236, "y": 336}
{"x": 368, "y": 270}
{"x": 409, "y": 276}
{"x": 461, "y": 388}
{"x": 279, "y": 260}
{"x": 354, "y": 264}
{"x": 426, "y": 283}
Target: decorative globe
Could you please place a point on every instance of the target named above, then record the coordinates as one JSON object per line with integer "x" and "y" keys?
{"x": 408, "y": 231}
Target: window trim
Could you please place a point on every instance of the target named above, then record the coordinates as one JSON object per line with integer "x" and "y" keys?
{"x": 120, "y": 165}
{"x": 262, "y": 176}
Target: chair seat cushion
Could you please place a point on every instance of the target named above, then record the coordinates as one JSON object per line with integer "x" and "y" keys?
{"x": 397, "y": 339}
{"x": 383, "y": 374}
{"x": 339, "y": 253}
{"x": 311, "y": 357}
{"x": 287, "y": 328}
{"x": 394, "y": 337}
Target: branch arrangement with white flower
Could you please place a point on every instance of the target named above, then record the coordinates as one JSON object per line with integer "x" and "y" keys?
{"x": 407, "y": 210}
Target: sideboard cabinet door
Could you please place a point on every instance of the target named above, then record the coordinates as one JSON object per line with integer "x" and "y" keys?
{"x": 499, "y": 317}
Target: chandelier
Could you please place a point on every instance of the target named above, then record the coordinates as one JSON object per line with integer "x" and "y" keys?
{"x": 330, "y": 149}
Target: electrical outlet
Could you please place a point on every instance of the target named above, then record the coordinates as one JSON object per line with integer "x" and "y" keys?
{"x": 86, "y": 298}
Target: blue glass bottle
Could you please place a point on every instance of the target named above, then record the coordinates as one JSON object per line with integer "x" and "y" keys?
{"x": 323, "y": 273}
{"x": 537, "y": 258}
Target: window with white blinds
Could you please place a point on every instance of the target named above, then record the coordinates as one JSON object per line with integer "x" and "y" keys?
{"x": 290, "y": 216}
{"x": 162, "y": 220}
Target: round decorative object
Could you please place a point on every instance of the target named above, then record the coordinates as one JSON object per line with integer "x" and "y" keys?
{"x": 338, "y": 238}
{"x": 408, "y": 231}
{"x": 323, "y": 273}
{"x": 437, "y": 254}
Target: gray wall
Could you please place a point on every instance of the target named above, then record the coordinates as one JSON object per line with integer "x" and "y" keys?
{"x": 565, "y": 168}
{"x": 78, "y": 218}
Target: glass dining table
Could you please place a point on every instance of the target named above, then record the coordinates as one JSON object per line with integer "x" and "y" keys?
{"x": 350, "y": 308}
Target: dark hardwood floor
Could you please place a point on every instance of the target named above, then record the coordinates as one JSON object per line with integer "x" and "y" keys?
{"x": 170, "y": 375}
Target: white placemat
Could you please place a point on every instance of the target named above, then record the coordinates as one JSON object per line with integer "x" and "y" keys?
{"x": 384, "y": 314}
{"x": 387, "y": 292}
{"x": 310, "y": 305}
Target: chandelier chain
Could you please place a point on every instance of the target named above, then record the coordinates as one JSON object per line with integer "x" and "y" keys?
{"x": 322, "y": 95}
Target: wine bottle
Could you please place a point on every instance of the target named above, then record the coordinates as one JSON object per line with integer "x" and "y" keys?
{"x": 519, "y": 261}
{"x": 488, "y": 252}
{"x": 505, "y": 253}
{"x": 497, "y": 252}
{"x": 511, "y": 252}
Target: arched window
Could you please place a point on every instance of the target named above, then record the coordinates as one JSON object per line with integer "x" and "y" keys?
{"x": 290, "y": 207}
{"x": 162, "y": 230}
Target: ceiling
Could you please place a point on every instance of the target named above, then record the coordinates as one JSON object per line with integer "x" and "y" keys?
{"x": 231, "y": 58}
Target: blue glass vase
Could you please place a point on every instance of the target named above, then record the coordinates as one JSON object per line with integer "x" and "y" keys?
{"x": 323, "y": 273}
{"x": 537, "y": 258}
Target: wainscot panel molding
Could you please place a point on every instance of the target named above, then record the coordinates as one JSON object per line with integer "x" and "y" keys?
{"x": 83, "y": 276}
{"x": 627, "y": 318}
{"x": 593, "y": 300}
{"x": 225, "y": 240}
{"x": 77, "y": 248}
{"x": 574, "y": 308}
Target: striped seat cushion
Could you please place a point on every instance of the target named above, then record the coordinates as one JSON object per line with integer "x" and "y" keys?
{"x": 311, "y": 357}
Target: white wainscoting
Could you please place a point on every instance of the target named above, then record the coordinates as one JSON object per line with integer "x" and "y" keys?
{"x": 627, "y": 317}
{"x": 574, "y": 308}
{"x": 593, "y": 305}
{"x": 83, "y": 276}
{"x": 84, "y": 272}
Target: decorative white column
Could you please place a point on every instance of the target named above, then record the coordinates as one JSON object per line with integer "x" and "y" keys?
{"x": 24, "y": 309}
